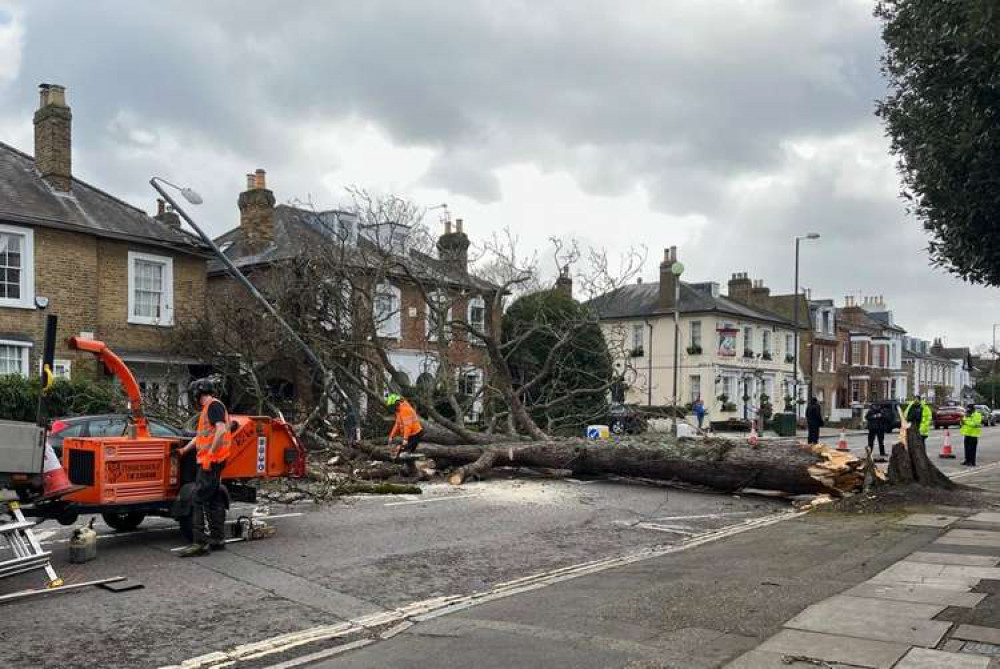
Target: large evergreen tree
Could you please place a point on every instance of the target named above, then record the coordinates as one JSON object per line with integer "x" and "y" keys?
{"x": 942, "y": 113}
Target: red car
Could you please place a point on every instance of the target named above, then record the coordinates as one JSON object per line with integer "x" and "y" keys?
{"x": 948, "y": 416}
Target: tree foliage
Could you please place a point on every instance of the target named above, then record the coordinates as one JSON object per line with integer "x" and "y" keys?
{"x": 569, "y": 388}
{"x": 942, "y": 114}
{"x": 19, "y": 398}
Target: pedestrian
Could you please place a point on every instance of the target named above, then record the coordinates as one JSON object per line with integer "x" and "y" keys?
{"x": 814, "y": 420}
{"x": 699, "y": 411}
{"x": 875, "y": 420}
{"x": 212, "y": 443}
{"x": 918, "y": 414}
{"x": 972, "y": 428}
{"x": 407, "y": 425}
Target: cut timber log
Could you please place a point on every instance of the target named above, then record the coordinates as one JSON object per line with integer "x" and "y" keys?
{"x": 479, "y": 468}
{"x": 720, "y": 464}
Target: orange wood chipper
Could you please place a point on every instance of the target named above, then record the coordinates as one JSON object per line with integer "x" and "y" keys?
{"x": 126, "y": 478}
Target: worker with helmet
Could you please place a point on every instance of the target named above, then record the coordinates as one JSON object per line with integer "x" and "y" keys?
{"x": 407, "y": 425}
{"x": 212, "y": 441}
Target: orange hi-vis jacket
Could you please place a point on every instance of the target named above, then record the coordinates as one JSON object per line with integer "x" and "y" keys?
{"x": 206, "y": 435}
{"x": 407, "y": 421}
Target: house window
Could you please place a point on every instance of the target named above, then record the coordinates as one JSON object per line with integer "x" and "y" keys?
{"x": 695, "y": 337}
{"x": 14, "y": 357}
{"x": 856, "y": 391}
{"x": 694, "y": 383}
{"x": 438, "y": 316}
{"x": 17, "y": 263}
{"x": 150, "y": 289}
{"x": 827, "y": 323}
{"x": 748, "y": 341}
{"x": 637, "y": 340}
{"x": 765, "y": 342}
{"x": 477, "y": 315}
{"x": 470, "y": 384}
{"x": 385, "y": 311}
{"x": 856, "y": 352}
{"x": 729, "y": 388}
{"x": 61, "y": 369}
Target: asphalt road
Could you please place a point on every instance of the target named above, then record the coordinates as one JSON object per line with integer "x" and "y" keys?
{"x": 340, "y": 562}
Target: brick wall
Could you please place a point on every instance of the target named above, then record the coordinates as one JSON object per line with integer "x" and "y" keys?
{"x": 86, "y": 281}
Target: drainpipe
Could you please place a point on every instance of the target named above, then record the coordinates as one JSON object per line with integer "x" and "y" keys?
{"x": 649, "y": 366}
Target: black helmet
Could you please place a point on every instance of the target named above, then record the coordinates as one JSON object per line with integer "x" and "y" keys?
{"x": 202, "y": 386}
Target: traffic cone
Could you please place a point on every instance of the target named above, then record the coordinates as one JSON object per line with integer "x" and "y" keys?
{"x": 946, "y": 447}
{"x": 55, "y": 482}
{"x": 842, "y": 443}
{"x": 753, "y": 439}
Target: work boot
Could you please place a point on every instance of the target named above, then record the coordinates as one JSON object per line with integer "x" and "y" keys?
{"x": 194, "y": 550}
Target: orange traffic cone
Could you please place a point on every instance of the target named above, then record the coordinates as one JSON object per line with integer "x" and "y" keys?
{"x": 753, "y": 439}
{"x": 946, "y": 447}
{"x": 842, "y": 443}
{"x": 54, "y": 480}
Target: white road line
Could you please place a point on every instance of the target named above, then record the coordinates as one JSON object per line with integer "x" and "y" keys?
{"x": 322, "y": 654}
{"x": 974, "y": 470}
{"x": 434, "y": 499}
{"x": 685, "y": 530}
{"x": 708, "y": 515}
{"x": 439, "y": 606}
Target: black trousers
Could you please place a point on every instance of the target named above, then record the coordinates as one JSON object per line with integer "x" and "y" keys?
{"x": 876, "y": 433}
{"x": 813, "y": 437}
{"x": 209, "y": 522}
{"x": 971, "y": 445}
{"x": 410, "y": 444}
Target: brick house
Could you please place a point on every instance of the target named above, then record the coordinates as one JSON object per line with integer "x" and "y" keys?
{"x": 731, "y": 353}
{"x": 271, "y": 235}
{"x": 107, "y": 269}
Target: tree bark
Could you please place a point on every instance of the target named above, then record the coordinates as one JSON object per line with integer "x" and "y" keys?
{"x": 909, "y": 464}
{"x": 715, "y": 463}
{"x": 479, "y": 468}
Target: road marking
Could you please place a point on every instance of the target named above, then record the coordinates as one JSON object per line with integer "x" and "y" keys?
{"x": 685, "y": 530}
{"x": 439, "y": 606}
{"x": 322, "y": 654}
{"x": 974, "y": 470}
{"x": 435, "y": 499}
{"x": 708, "y": 515}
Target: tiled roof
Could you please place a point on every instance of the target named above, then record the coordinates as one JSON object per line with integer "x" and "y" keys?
{"x": 300, "y": 231}
{"x": 638, "y": 300}
{"x": 907, "y": 353}
{"x": 26, "y": 198}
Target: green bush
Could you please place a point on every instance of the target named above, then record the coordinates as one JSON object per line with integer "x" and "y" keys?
{"x": 19, "y": 398}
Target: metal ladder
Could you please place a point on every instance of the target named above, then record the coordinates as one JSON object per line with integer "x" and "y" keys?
{"x": 27, "y": 552}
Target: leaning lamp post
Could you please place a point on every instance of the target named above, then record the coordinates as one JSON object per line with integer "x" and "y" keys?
{"x": 351, "y": 418}
{"x": 795, "y": 308}
{"x": 676, "y": 269}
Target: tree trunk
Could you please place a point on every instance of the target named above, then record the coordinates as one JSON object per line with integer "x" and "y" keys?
{"x": 909, "y": 464}
{"x": 479, "y": 468}
{"x": 715, "y": 463}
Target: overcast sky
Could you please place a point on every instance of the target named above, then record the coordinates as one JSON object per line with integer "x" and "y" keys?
{"x": 724, "y": 127}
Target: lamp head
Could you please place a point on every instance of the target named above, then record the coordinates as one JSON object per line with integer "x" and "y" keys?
{"x": 812, "y": 235}
{"x": 677, "y": 269}
{"x": 191, "y": 196}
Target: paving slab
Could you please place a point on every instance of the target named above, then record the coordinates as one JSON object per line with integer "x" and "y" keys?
{"x": 971, "y": 538}
{"x": 834, "y": 648}
{"x": 986, "y": 517}
{"x": 924, "y": 658}
{"x": 881, "y": 620}
{"x": 912, "y": 592}
{"x": 928, "y": 520}
{"x": 954, "y": 559}
{"x": 977, "y": 633}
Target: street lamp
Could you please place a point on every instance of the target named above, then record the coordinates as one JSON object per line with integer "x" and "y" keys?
{"x": 193, "y": 197}
{"x": 676, "y": 269}
{"x": 795, "y": 307}
{"x": 993, "y": 374}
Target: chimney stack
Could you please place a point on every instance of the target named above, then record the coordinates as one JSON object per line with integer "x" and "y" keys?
{"x": 564, "y": 284}
{"x": 256, "y": 205}
{"x": 53, "y": 137}
{"x": 167, "y": 215}
{"x": 453, "y": 247}
{"x": 740, "y": 288}
{"x": 760, "y": 294}
{"x": 668, "y": 282}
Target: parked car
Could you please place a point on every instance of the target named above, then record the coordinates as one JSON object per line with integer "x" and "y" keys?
{"x": 890, "y": 409}
{"x": 625, "y": 419}
{"x": 103, "y": 425}
{"x": 948, "y": 417}
{"x": 995, "y": 416}
{"x": 987, "y": 412}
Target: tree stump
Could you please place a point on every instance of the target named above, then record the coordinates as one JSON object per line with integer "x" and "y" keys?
{"x": 909, "y": 464}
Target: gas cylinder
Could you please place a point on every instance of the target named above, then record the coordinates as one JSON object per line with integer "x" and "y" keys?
{"x": 83, "y": 544}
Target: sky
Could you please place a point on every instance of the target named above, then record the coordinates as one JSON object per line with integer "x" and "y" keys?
{"x": 724, "y": 128}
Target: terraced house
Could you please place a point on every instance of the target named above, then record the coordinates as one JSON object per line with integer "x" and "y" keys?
{"x": 106, "y": 268}
{"x": 733, "y": 356}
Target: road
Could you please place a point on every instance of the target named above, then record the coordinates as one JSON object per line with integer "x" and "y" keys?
{"x": 340, "y": 562}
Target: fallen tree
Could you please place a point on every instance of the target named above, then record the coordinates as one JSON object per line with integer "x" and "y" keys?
{"x": 909, "y": 463}
{"x": 720, "y": 464}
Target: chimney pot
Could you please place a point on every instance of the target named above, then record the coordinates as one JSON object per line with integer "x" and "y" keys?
{"x": 666, "y": 255}
{"x": 638, "y": 281}
{"x": 250, "y": 181}
{"x": 458, "y": 225}
{"x": 161, "y": 206}
{"x": 259, "y": 180}
{"x": 256, "y": 205}
{"x": 447, "y": 227}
